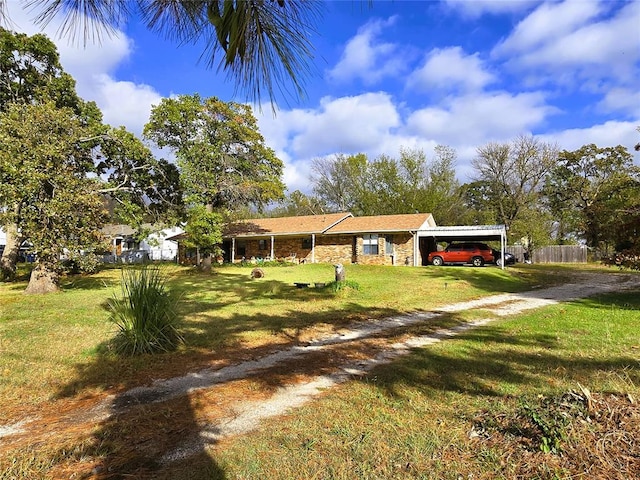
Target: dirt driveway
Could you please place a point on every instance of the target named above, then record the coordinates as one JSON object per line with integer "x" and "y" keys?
{"x": 288, "y": 378}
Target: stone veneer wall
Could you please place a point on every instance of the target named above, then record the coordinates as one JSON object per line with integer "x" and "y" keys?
{"x": 334, "y": 249}
{"x": 402, "y": 247}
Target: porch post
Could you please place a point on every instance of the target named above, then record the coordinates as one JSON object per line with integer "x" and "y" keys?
{"x": 272, "y": 239}
{"x": 415, "y": 249}
{"x": 233, "y": 249}
{"x": 313, "y": 248}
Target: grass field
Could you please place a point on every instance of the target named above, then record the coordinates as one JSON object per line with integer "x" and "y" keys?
{"x": 409, "y": 420}
{"x": 457, "y": 409}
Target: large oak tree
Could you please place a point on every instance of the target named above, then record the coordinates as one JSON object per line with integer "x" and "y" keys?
{"x": 223, "y": 159}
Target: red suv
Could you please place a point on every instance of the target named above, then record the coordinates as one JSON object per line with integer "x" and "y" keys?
{"x": 476, "y": 254}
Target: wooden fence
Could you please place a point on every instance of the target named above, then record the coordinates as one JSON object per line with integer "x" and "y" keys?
{"x": 552, "y": 254}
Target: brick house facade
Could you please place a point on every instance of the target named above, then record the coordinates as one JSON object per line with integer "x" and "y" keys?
{"x": 329, "y": 238}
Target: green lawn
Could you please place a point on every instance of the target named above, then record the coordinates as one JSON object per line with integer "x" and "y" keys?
{"x": 413, "y": 418}
{"x": 410, "y": 419}
{"x": 56, "y": 345}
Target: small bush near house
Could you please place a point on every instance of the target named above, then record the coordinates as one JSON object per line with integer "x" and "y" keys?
{"x": 145, "y": 314}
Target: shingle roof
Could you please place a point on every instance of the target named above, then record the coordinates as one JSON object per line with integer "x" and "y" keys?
{"x": 303, "y": 225}
{"x": 384, "y": 223}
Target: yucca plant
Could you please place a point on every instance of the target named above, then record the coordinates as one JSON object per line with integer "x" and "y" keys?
{"x": 145, "y": 314}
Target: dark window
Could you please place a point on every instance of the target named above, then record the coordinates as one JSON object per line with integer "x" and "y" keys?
{"x": 262, "y": 244}
{"x": 388, "y": 245}
{"x": 242, "y": 248}
{"x": 370, "y": 244}
{"x": 306, "y": 243}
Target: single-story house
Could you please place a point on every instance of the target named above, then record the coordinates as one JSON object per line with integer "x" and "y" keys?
{"x": 327, "y": 238}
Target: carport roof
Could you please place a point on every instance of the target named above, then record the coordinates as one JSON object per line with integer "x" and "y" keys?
{"x": 468, "y": 232}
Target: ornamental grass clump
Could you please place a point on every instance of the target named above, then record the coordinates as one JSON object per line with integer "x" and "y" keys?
{"x": 145, "y": 315}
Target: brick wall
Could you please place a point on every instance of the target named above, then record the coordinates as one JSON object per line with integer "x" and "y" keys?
{"x": 330, "y": 249}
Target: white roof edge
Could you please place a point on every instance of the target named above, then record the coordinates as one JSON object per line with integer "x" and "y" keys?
{"x": 469, "y": 230}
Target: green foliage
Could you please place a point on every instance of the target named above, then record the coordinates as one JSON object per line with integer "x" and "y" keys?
{"x": 387, "y": 185}
{"x": 595, "y": 193}
{"x": 145, "y": 314}
{"x": 30, "y": 72}
{"x": 223, "y": 158}
{"x": 204, "y": 230}
{"x": 59, "y": 162}
{"x": 82, "y": 262}
{"x": 44, "y": 166}
{"x": 344, "y": 286}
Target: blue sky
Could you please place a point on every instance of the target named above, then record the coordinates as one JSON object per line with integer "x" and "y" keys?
{"x": 405, "y": 74}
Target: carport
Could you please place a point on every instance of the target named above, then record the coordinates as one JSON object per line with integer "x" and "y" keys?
{"x": 430, "y": 236}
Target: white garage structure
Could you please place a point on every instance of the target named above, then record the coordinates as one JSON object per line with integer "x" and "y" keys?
{"x": 429, "y": 236}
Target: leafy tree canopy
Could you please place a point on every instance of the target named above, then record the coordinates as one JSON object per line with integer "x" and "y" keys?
{"x": 30, "y": 71}
{"x": 223, "y": 159}
{"x": 387, "y": 185}
{"x": 596, "y": 192}
{"x": 224, "y": 162}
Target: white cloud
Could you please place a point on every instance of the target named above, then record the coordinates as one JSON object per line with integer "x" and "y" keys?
{"x": 575, "y": 49}
{"x": 547, "y": 23}
{"x": 367, "y": 60}
{"x": 608, "y": 134}
{"x": 92, "y": 66}
{"x": 449, "y": 69}
{"x": 620, "y": 99}
{"x": 134, "y": 112}
{"x": 477, "y": 8}
{"x": 364, "y": 123}
{"x": 475, "y": 119}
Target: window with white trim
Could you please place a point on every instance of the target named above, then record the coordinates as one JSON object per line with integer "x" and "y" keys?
{"x": 370, "y": 244}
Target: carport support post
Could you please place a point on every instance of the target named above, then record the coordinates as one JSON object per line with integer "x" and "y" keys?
{"x": 503, "y": 245}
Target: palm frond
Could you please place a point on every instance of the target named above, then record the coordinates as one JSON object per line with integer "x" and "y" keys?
{"x": 85, "y": 19}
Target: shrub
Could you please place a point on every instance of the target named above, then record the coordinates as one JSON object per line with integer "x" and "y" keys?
{"x": 629, "y": 259}
{"x": 344, "y": 285}
{"x": 146, "y": 316}
{"x": 81, "y": 263}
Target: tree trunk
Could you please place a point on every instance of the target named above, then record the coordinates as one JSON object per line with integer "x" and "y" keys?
{"x": 10, "y": 253}
{"x": 206, "y": 263}
{"x": 42, "y": 280}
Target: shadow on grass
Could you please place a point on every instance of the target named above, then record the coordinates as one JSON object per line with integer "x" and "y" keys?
{"x": 137, "y": 439}
{"x": 144, "y": 435}
{"x": 493, "y": 361}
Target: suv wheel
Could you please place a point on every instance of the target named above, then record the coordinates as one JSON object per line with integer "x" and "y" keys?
{"x": 437, "y": 261}
{"x": 477, "y": 261}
